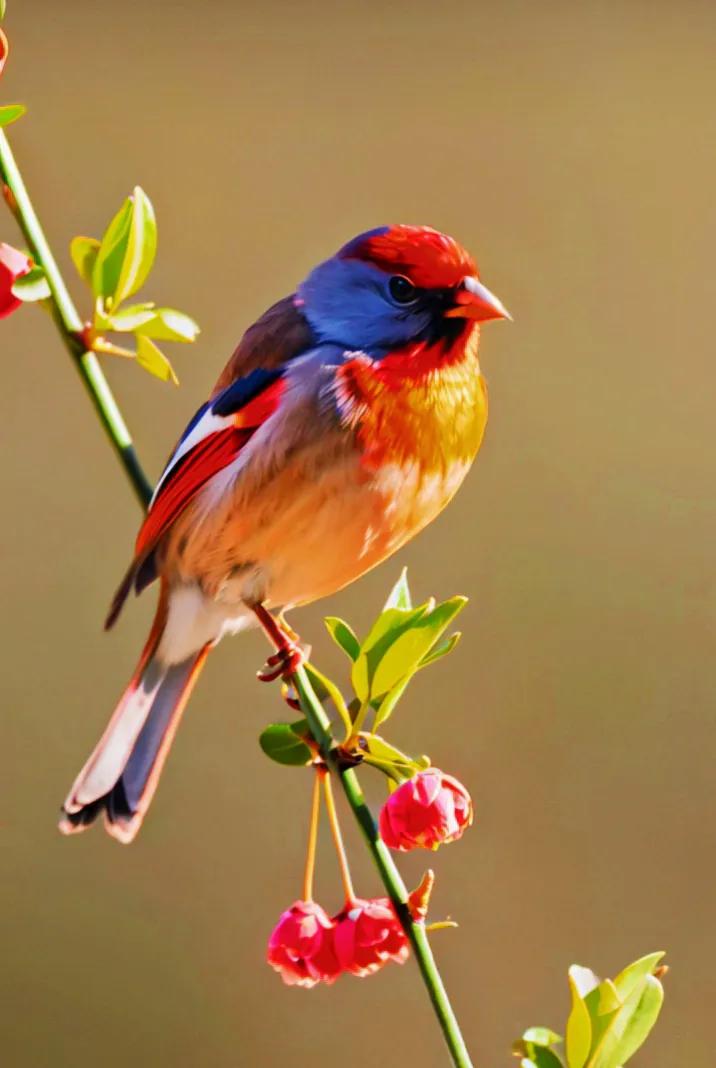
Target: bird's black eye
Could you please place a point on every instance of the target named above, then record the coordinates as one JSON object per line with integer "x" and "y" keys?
{"x": 402, "y": 289}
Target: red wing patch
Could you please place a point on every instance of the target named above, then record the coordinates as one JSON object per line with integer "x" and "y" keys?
{"x": 209, "y": 456}
{"x": 258, "y": 410}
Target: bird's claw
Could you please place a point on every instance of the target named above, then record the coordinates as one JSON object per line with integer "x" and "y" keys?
{"x": 282, "y": 663}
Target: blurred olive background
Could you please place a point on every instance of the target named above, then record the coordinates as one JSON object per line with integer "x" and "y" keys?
{"x": 572, "y": 147}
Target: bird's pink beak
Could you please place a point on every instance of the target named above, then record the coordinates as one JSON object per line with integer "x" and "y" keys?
{"x": 473, "y": 300}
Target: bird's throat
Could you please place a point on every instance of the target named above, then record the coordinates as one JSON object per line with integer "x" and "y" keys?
{"x": 425, "y": 406}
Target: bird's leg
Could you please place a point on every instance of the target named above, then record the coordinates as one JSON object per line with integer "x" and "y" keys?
{"x": 288, "y": 655}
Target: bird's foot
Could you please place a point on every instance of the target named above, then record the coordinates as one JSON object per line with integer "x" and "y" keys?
{"x": 283, "y": 662}
{"x": 288, "y": 656}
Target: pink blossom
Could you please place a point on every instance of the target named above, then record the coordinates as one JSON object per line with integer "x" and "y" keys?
{"x": 301, "y": 946}
{"x": 426, "y": 811}
{"x": 367, "y": 935}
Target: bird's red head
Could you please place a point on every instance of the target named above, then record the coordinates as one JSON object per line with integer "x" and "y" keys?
{"x": 431, "y": 260}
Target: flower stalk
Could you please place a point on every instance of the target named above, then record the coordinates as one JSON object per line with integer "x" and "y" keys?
{"x": 338, "y": 842}
{"x": 72, "y": 332}
{"x": 312, "y": 836}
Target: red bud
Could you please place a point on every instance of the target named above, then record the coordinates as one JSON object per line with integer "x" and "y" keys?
{"x": 367, "y": 935}
{"x": 301, "y": 946}
{"x": 4, "y": 49}
{"x": 13, "y": 265}
{"x": 428, "y": 810}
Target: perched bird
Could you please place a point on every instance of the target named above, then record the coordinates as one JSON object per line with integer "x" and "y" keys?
{"x": 343, "y": 423}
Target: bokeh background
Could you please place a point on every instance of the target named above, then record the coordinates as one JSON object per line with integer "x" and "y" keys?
{"x": 573, "y": 148}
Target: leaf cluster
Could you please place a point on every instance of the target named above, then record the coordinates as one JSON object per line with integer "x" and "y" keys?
{"x": 402, "y": 641}
{"x": 609, "y": 1021}
{"x": 115, "y": 268}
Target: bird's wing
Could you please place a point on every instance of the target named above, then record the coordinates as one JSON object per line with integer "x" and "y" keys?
{"x": 247, "y": 394}
{"x": 214, "y": 438}
{"x": 280, "y": 335}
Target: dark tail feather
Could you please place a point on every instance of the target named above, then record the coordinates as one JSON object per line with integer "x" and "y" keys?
{"x": 120, "y": 596}
{"x": 122, "y": 774}
{"x": 140, "y": 574}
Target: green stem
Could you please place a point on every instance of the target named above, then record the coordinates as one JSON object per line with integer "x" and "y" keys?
{"x": 320, "y": 727}
{"x": 70, "y": 326}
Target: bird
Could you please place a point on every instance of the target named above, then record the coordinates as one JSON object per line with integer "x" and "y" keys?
{"x": 343, "y": 423}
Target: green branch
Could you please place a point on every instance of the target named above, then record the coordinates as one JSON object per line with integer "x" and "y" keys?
{"x": 70, "y": 326}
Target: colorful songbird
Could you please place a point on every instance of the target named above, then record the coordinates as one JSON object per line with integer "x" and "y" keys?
{"x": 343, "y": 423}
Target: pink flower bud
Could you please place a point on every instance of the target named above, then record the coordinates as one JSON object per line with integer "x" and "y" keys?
{"x": 13, "y": 265}
{"x": 4, "y": 49}
{"x": 426, "y": 811}
{"x": 367, "y": 935}
{"x": 301, "y": 946}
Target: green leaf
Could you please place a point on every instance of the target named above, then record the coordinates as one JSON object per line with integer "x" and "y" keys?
{"x": 325, "y": 689}
{"x": 141, "y": 247}
{"x": 619, "y": 1026}
{"x": 399, "y": 596}
{"x": 32, "y": 286}
{"x": 169, "y": 325}
{"x": 153, "y": 360}
{"x": 541, "y": 1057}
{"x": 541, "y": 1036}
{"x": 343, "y": 635}
{"x": 126, "y": 252}
{"x": 608, "y": 1033}
{"x": 387, "y": 705}
{"x": 128, "y": 320}
{"x": 579, "y": 1026}
{"x": 403, "y": 656}
{"x": 642, "y": 1020}
{"x": 111, "y": 253}
{"x": 282, "y": 743}
{"x": 634, "y": 974}
{"x": 3, "y": 9}
{"x": 83, "y": 251}
{"x": 385, "y": 753}
{"x": 318, "y": 682}
{"x": 441, "y": 650}
{"x": 388, "y": 626}
{"x": 11, "y": 113}
{"x": 602, "y": 1004}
